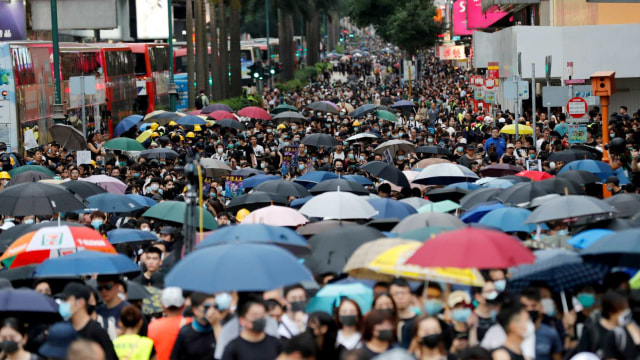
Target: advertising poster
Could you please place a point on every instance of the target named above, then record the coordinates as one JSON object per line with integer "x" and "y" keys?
{"x": 289, "y": 159}
{"x": 12, "y": 21}
{"x": 577, "y": 134}
{"x": 151, "y": 19}
{"x": 232, "y": 186}
{"x": 460, "y": 18}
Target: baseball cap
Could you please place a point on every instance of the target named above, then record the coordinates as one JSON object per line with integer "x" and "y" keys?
{"x": 167, "y": 230}
{"x": 458, "y": 297}
{"x": 172, "y": 296}
{"x": 510, "y": 146}
{"x": 613, "y": 180}
{"x": 79, "y": 291}
{"x": 61, "y": 335}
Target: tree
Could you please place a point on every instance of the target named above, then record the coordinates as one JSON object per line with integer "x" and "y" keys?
{"x": 214, "y": 62}
{"x": 224, "y": 53}
{"x": 190, "y": 56}
{"x": 234, "y": 40}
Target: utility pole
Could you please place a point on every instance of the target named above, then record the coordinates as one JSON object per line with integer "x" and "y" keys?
{"x": 190, "y": 57}
{"x": 173, "y": 90}
{"x": 533, "y": 100}
{"x": 58, "y": 109}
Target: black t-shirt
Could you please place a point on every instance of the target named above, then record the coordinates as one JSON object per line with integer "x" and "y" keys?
{"x": 465, "y": 161}
{"x": 193, "y": 345}
{"x": 240, "y": 349}
{"x": 94, "y": 332}
{"x": 618, "y": 348}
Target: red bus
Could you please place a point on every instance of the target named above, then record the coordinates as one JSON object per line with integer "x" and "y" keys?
{"x": 119, "y": 75}
{"x": 152, "y": 75}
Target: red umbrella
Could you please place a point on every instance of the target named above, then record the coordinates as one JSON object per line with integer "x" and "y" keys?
{"x": 195, "y": 112}
{"x": 254, "y": 112}
{"x": 472, "y": 248}
{"x": 535, "y": 175}
{"x": 221, "y": 114}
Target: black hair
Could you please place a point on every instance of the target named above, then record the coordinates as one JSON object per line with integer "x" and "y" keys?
{"x": 507, "y": 313}
{"x": 613, "y": 301}
{"x": 475, "y": 353}
{"x": 244, "y": 309}
{"x": 384, "y": 188}
{"x": 531, "y": 293}
{"x": 198, "y": 298}
{"x": 328, "y": 350}
{"x": 272, "y": 304}
{"x": 304, "y": 344}
{"x": 15, "y": 324}
{"x": 153, "y": 250}
{"x": 287, "y": 289}
{"x": 400, "y": 282}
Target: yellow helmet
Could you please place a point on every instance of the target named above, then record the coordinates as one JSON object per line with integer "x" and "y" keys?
{"x": 191, "y": 135}
{"x": 5, "y": 175}
{"x": 155, "y": 134}
{"x": 241, "y": 214}
{"x": 197, "y": 128}
{"x": 281, "y": 127}
{"x": 154, "y": 126}
{"x": 356, "y": 123}
{"x": 173, "y": 123}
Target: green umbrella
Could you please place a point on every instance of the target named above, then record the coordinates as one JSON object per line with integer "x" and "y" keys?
{"x": 424, "y": 233}
{"x": 444, "y": 206}
{"x": 385, "y": 115}
{"x": 175, "y": 210}
{"x": 283, "y": 107}
{"x": 124, "y": 144}
{"x": 23, "y": 168}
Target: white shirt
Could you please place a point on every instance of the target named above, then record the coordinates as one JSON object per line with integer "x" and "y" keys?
{"x": 258, "y": 150}
{"x": 350, "y": 343}
{"x": 495, "y": 337}
{"x": 288, "y": 327}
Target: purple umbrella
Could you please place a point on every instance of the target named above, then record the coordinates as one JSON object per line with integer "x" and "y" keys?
{"x": 214, "y": 107}
{"x": 111, "y": 184}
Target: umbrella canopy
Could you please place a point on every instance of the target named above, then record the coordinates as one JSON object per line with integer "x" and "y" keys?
{"x": 403, "y": 103}
{"x": 329, "y": 251}
{"x": 253, "y": 181}
{"x": 477, "y": 197}
{"x": 191, "y": 120}
{"x": 338, "y": 205}
{"x": 283, "y": 188}
{"x": 282, "y": 108}
{"x": 254, "y": 112}
{"x": 289, "y": 116}
{"x": 312, "y": 178}
{"x": 446, "y": 193}
{"x": 586, "y": 238}
{"x": 68, "y": 137}
{"x": 508, "y": 219}
{"x": 522, "y": 129}
{"x": 361, "y": 136}
{"x": 124, "y": 144}
{"x": 257, "y": 233}
{"x": 247, "y": 172}
{"x": 445, "y": 174}
{"x": 425, "y": 233}
{"x": 472, "y": 248}
{"x": 424, "y": 163}
{"x": 214, "y": 168}
{"x": 112, "y": 203}
{"x": 162, "y": 117}
{"x": 535, "y": 175}
{"x": 388, "y": 208}
{"x": 341, "y": 185}
{"x": 87, "y": 263}
{"x": 142, "y": 200}
{"x": 216, "y": 107}
{"x": 627, "y": 205}
{"x": 276, "y": 216}
{"x": 108, "y": 183}
{"x": 498, "y": 170}
{"x": 387, "y": 172}
{"x": 119, "y": 236}
{"x": 24, "y": 168}
{"x": 28, "y": 176}
{"x": 444, "y": 206}
{"x": 598, "y": 168}
{"x": 175, "y": 211}
{"x": 570, "y": 206}
{"x": 415, "y": 202}
{"x": 37, "y": 198}
{"x": 476, "y": 213}
{"x": 126, "y": 124}
{"x": 329, "y": 297}
{"x": 433, "y": 150}
{"x": 323, "y": 107}
{"x": 231, "y": 124}
{"x": 394, "y": 146}
{"x": 314, "y": 228}
{"x": 358, "y": 179}
{"x": 580, "y": 177}
{"x": 221, "y": 114}
{"x": 417, "y": 221}
{"x": 28, "y": 305}
{"x": 363, "y": 110}
{"x": 557, "y": 185}
{"x": 558, "y": 268}
{"x": 385, "y": 115}
{"x": 522, "y": 193}
{"x": 247, "y": 267}
{"x": 255, "y": 200}
{"x": 572, "y": 155}
{"x": 37, "y": 246}
{"x": 159, "y": 153}
{"x": 621, "y": 248}
{"x": 320, "y": 140}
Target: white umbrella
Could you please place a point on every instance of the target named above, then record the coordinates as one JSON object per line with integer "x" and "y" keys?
{"x": 394, "y": 145}
{"x": 214, "y": 167}
{"x": 445, "y": 174}
{"x": 338, "y": 205}
{"x": 362, "y": 136}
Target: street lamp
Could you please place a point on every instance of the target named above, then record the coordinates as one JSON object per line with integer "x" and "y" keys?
{"x": 173, "y": 89}
{"x": 58, "y": 109}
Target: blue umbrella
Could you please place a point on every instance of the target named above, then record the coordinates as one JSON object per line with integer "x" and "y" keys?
{"x": 27, "y": 303}
{"x": 113, "y": 203}
{"x": 464, "y": 186}
{"x": 598, "y": 168}
{"x": 403, "y": 103}
{"x": 561, "y": 269}
{"x": 329, "y": 297}
{"x": 621, "y": 248}
{"x": 87, "y": 263}
{"x": 144, "y": 126}
{"x": 298, "y": 203}
{"x": 253, "y": 181}
{"x": 584, "y": 239}
{"x": 509, "y": 219}
{"x": 126, "y": 124}
{"x": 246, "y": 172}
{"x": 358, "y": 179}
{"x": 310, "y": 179}
{"x": 119, "y": 236}
{"x": 190, "y": 120}
{"x": 388, "y": 208}
{"x": 477, "y": 212}
{"x": 142, "y": 200}
{"x": 237, "y": 267}
{"x": 498, "y": 184}
{"x": 257, "y": 233}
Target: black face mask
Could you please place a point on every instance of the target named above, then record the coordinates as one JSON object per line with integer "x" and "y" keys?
{"x": 533, "y": 314}
{"x": 432, "y": 341}
{"x": 258, "y": 325}
{"x": 297, "y": 306}
{"x": 349, "y": 320}
{"x": 168, "y": 246}
{"x": 9, "y": 346}
{"x": 91, "y": 309}
{"x": 385, "y": 335}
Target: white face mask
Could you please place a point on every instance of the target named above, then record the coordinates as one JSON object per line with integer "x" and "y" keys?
{"x": 154, "y": 187}
{"x": 145, "y": 229}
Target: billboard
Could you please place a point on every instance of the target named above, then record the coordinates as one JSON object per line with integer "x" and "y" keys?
{"x": 477, "y": 20}
{"x": 7, "y": 97}
{"x": 152, "y": 19}
{"x": 75, "y": 14}
{"x": 12, "y": 21}
{"x": 450, "y": 52}
{"x": 460, "y": 18}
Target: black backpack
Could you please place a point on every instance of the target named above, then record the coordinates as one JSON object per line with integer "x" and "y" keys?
{"x": 199, "y": 103}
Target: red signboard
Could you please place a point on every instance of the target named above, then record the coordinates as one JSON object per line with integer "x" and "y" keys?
{"x": 577, "y": 107}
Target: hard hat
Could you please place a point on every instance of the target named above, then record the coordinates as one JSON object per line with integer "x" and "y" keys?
{"x": 241, "y": 214}
{"x": 173, "y": 123}
{"x": 93, "y": 163}
{"x": 191, "y": 135}
{"x": 181, "y": 137}
{"x": 154, "y": 126}
{"x": 154, "y": 134}
{"x": 356, "y": 123}
{"x": 197, "y": 128}
{"x": 5, "y": 175}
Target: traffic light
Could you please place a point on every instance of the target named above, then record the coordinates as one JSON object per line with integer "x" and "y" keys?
{"x": 255, "y": 70}
{"x": 547, "y": 67}
{"x": 277, "y": 68}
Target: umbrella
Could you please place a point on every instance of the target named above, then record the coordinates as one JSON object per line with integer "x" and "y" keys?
{"x": 444, "y": 174}
{"x": 444, "y": 206}
{"x": 142, "y": 200}
{"x": 152, "y": 304}
{"x": 282, "y": 108}
{"x": 579, "y": 177}
{"x": 283, "y": 188}
{"x": 289, "y": 116}
{"x": 415, "y": 202}
{"x": 68, "y": 137}
{"x": 214, "y": 168}
{"x": 191, "y": 120}
{"x": 417, "y": 221}
{"x": 126, "y": 124}
{"x": 11, "y": 234}
{"x": 497, "y": 183}
{"x": 446, "y": 193}
{"x": 621, "y": 248}
{"x": 586, "y": 238}
{"x": 626, "y": 204}
{"x": 330, "y": 251}
{"x": 385, "y": 115}
{"x": 358, "y": 179}
{"x": 425, "y": 233}
{"x": 387, "y": 172}
{"x": 255, "y": 200}
{"x": 221, "y": 114}
{"x": 231, "y": 124}
{"x": 329, "y": 297}
{"x": 37, "y": 246}
{"x": 571, "y": 155}
{"x": 124, "y": 144}
{"x": 472, "y": 248}
{"x": 24, "y": 168}
{"x": 424, "y": 163}
{"x": 112, "y": 203}
{"x": 509, "y": 219}
{"x": 246, "y": 172}
{"x": 558, "y": 268}
{"x": 535, "y": 175}
{"x": 476, "y": 213}
{"x": 144, "y": 136}
{"x": 388, "y": 208}
{"x": 312, "y": 178}
{"x": 88, "y": 263}
{"x": 318, "y": 227}
{"x": 320, "y": 140}
{"x": 253, "y": 181}
{"x": 216, "y": 107}
{"x": 246, "y": 267}
{"x": 522, "y": 193}
{"x": 516, "y": 179}
{"x": 477, "y": 197}
{"x": 162, "y": 117}
{"x": 561, "y": 186}
{"x": 136, "y": 291}
{"x": 254, "y": 112}
{"x": 598, "y": 168}
{"x": 338, "y": 205}
{"x": 159, "y": 153}
{"x": 36, "y": 198}
{"x": 28, "y": 176}
{"x": 394, "y": 146}
{"x": 363, "y": 110}
{"x": 28, "y": 305}
{"x": 119, "y": 236}
{"x": 511, "y": 129}
{"x": 498, "y": 170}
{"x": 570, "y": 206}
{"x": 276, "y": 216}
{"x": 403, "y": 103}
{"x": 433, "y": 150}
{"x": 341, "y": 185}
{"x": 361, "y": 136}
{"x": 257, "y": 233}
{"x": 108, "y": 183}
{"x": 175, "y": 211}
{"x": 323, "y": 107}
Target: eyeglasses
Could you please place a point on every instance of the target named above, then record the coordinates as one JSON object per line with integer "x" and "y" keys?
{"x": 105, "y": 287}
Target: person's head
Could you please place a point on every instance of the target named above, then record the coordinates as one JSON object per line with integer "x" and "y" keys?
{"x": 499, "y": 278}
{"x": 379, "y": 325}
{"x": 384, "y": 190}
{"x": 274, "y": 309}
{"x": 13, "y": 335}
{"x": 323, "y": 328}
{"x": 172, "y": 299}
{"x": 432, "y": 299}
{"x": 167, "y": 234}
{"x": 488, "y": 292}
{"x": 130, "y": 318}
{"x": 615, "y": 307}
{"x": 613, "y": 183}
{"x": 587, "y": 297}
{"x": 97, "y": 219}
{"x": 202, "y": 306}
{"x": 381, "y": 287}
{"x": 384, "y": 302}
{"x": 299, "y": 347}
{"x": 460, "y": 304}
{"x": 83, "y": 349}
{"x": 108, "y": 286}
{"x": 401, "y": 293}
{"x": 530, "y": 298}
{"x": 251, "y": 316}
{"x": 475, "y": 353}
{"x": 296, "y": 298}
{"x": 427, "y": 333}
{"x": 43, "y": 287}
{"x": 514, "y": 319}
{"x": 495, "y": 132}
{"x": 153, "y": 259}
{"x": 73, "y": 300}
{"x": 348, "y": 314}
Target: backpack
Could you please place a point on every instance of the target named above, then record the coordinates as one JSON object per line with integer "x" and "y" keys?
{"x": 199, "y": 102}
{"x": 5, "y": 160}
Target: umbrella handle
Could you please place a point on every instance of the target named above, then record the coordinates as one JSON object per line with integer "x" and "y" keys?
{"x": 563, "y": 297}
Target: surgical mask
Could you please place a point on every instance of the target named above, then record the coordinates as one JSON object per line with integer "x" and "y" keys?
{"x": 154, "y": 187}
{"x": 263, "y": 165}
{"x": 220, "y": 150}
{"x": 348, "y": 320}
{"x": 355, "y": 128}
{"x": 563, "y": 232}
{"x": 432, "y": 306}
{"x": 460, "y": 148}
{"x": 28, "y": 221}
{"x": 500, "y": 285}
{"x": 548, "y": 307}
{"x": 91, "y": 309}
{"x": 136, "y": 175}
{"x": 301, "y": 167}
{"x": 361, "y": 158}
{"x": 625, "y": 318}
{"x": 293, "y": 127}
{"x": 64, "y": 309}
{"x": 325, "y": 159}
{"x": 491, "y": 296}
{"x": 411, "y": 118}
{"x": 532, "y": 156}
{"x": 400, "y": 157}
{"x": 268, "y": 131}
{"x": 430, "y": 140}
{"x": 612, "y": 135}
{"x": 385, "y": 335}
{"x": 586, "y": 299}
{"x": 461, "y": 315}
{"x": 145, "y": 229}
{"x": 297, "y": 306}
{"x": 351, "y": 157}
{"x": 534, "y": 315}
{"x": 432, "y": 341}
{"x": 258, "y": 325}
{"x": 96, "y": 223}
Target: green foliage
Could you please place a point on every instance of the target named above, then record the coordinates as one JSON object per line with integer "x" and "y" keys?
{"x": 237, "y": 103}
{"x": 339, "y": 49}
{"x": 303, "y": 77}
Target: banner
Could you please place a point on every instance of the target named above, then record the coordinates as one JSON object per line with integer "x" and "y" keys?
{"x": 12, "y": 21}
{"x": 289, "y": 159}
{"x": 460, "y": 18}
{"x": 232, "y": 186}
{"x": 478, "y": 20}
{"x": 577, "y": 134}
{"x": 451, "y": 52}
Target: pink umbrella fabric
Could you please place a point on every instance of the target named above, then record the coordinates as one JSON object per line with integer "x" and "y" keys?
{"x": 195, "y": 112}
{"x": 276, "y": 216}
{"x": 220, "y": 114}
{"x": 111, "y": 184}
{"x": 254, "y": 112}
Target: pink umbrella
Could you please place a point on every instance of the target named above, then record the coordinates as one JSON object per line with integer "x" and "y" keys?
{"x": 221, "y": 114}
{"x": 254, "y": 112}
{"x": 195, "y": 112}
{"x": 109, "y": 183}
{"x": 410, "y": 174}
{"x": 276, "y": 216}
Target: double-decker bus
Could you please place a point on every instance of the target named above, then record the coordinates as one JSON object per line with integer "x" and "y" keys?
{"x": 152, "y": 76}
{"x": 119, "y": 74}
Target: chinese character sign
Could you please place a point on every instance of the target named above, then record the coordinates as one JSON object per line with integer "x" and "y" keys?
{"x": 233, "y": 186}
{"x": 451, "y": 52}
{"x": 12, "y": 21}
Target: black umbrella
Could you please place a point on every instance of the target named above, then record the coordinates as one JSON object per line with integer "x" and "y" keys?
{"x": 433, "y": 150}
{"x": 571, "y": 155}
{"x": 339, "y": 185}
{"x": 558, "y": 185}
{"x": 323, "y": 106}
{"x": 478, "y": 196}
{"x": 84, "y": 189}
{"x": 159, "y": 153}
{"x": 246, "y": 172}
{"x": 386, "y": 171}
{"x": 28, "y": 305}
{"x": 330, "y": 251}
{"x": 23, "y": 277}
{"x": 255, "y": 200}
{"x": 579, "y": 177}
{"x": 447, "y": 193}
{"x": 290, "y": 116}
{"x": 522, "y": 193}
{"x": 11, "y": 234}
{"x": 363, "y": 110}
{"x": 232, "y": 124}
{"x": 283, "y": 188}
{"x": 498, "y": 170}
{"x": 320, "y": 140}
{"x": 68, "y": 137}
{"x": 29, "y": 176}
{"x": 38, "y": 198}
{"x": 626, "y": 204}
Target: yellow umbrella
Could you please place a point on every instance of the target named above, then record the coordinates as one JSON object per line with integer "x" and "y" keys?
{"x": 358, "y": 263}
{"x": 522, "y": 129}
{"x": 51, "y": 181}
{"x": 144, "y": 136}
{"x": 210, "y": 122}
